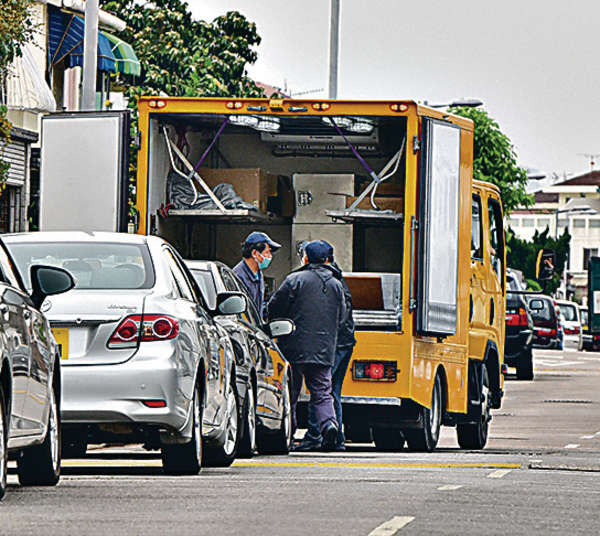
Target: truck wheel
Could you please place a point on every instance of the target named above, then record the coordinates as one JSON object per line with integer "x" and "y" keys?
{"x": 388, "y": 439}
{"x": 425, "y": 439}
{"x": 224, "y": 455}
{"x": 474, "y": 436}
{"x": 247, "y": 446}
{"x": 280, "y": 441}
{"x": 3, "y": 442}
{"x": 40, "y": 465}
{"x": 525, "y": 366}
{"x": 185, "y": 459}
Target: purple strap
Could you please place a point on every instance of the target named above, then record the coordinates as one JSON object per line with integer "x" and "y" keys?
{"x": 373, "y": 175}
{"x": 197, "y": 166}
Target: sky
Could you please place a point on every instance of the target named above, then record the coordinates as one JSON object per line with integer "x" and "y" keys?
{"x": 535, "y": 64}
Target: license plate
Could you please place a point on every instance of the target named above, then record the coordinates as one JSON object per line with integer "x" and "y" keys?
{"x": 62, "y": 338}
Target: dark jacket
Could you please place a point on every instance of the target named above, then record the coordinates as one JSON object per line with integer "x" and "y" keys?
{"x": 255, "y": 284}
{"x": 346, "y": 334}
{"x": 314, "y": 299}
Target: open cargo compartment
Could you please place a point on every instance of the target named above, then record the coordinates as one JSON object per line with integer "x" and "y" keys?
{"x": 303, "y": 180}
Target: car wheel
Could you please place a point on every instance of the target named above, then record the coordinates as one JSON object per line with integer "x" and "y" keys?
{"x": 425, "y": 439}
{"x": 247, "y": 446}
{"x": 224, "y": 455}
{"x": 40, "y": 465}
{"x": 185, "y": 459}
{"x": 279, "y": 442}
{"x": 3, "y": 443}
{"x": 474, "y": 436}
{"x": 388, "y": 439}
{"x": 525, "y": 366}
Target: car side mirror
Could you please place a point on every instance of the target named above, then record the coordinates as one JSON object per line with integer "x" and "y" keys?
{"x": 545, "y": 265}
{"x": 47, "y": 281}
{"x": 231, "y": 303}
{"x": 536, "y": 305}
{"x": 281, "y": 328}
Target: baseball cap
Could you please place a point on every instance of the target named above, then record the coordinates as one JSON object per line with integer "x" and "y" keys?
{"x": 256, "y": 237}
{"x": 317, "y": 251}
{"x": 329, "y": 248}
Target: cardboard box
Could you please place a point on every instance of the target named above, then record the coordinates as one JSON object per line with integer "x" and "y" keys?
{"x": 395, "y": 204}
{"x": 253, "y": 185}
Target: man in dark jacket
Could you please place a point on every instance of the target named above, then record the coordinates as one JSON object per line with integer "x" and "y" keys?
{"x": 314, "y": 299}
{"x": 345, "y": 345}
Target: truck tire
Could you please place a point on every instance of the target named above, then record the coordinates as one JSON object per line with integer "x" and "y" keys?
{"x": 525, "y": 366}
{"x": 425, "y": 439}
{"x": 223, "y": 455}
{"x": 247, "y": 445}
{"x": 388, "y": 439}
{"x": 3, "y": 443}
{"x": 473, "y": 436}
{"x": 40, "y": 465}
{"x": 280, "y": 441}
{"x": 186, "y": 458}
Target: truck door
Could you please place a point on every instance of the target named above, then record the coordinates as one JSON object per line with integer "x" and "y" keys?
{"x": 439, "y": 229}
{"x": 494, "y": 283}
{"x": 478, "y": 299}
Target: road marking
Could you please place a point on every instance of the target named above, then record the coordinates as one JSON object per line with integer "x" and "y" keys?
{"x": 499, "y": 474}
{"x": 389, "y": 528}
{"x": 587, "y": 436}
{"x": 572, "y": 446}
{"x": 381, "y": 465}
{"x": 449, "y": 487}
{"x": 111, "y": 463}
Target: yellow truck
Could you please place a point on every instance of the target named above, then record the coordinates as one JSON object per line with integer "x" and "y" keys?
{"x": 389, "y": 184}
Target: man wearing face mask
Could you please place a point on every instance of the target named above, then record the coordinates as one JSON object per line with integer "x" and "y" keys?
{"x": 257, "y": 253}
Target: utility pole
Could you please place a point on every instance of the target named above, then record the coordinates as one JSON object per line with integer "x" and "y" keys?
{"x": 90, "y": 55}
{"x": 334, "y": 48}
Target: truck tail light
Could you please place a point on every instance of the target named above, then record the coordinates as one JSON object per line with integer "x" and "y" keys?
{"x": 517, "y": 319}
{"x": 384, "y": 371}
{"x": 137, "y": 328}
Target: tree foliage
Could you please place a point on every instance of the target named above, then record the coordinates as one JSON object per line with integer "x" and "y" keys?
{"x": 495, "y": 160}
{"x": 522, "y": 254}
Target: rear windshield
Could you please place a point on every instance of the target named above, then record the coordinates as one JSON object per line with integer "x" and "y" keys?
{"x": 207, "y": 286}
{"x": 545, "y": 314}
{"x": 93, "y": 265}
{"x": 569, "y": 312}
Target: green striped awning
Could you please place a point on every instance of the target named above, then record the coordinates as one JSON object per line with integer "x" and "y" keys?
{"x": 125, "y": 59}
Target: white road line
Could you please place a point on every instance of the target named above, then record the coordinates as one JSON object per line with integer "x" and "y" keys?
{"x": 587, "y": 436}
{"x": 449, "y": 487}
{"x": 500, "y": 473}
{"x": 572, "y": 446}
{"x": 389, "y": 528}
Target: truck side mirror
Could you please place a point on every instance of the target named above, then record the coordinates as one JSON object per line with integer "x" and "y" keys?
{"x": 545, "y": 265}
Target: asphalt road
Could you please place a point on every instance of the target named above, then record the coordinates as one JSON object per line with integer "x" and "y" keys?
{"x": 540, "y": 474}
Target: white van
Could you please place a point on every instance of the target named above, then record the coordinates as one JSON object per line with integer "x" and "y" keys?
{"x": 573, "y": 339}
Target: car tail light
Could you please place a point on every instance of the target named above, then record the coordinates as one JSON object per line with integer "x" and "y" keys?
{"x": 572, "y": 331}
{"x": 137, "y": 328}
{"x": 384, "y": 371}
{"x": 542, "y": 332}
{"x": 154, "y": 403}
{"x": 517, "y": 319}
{"x": 596, "y": 338}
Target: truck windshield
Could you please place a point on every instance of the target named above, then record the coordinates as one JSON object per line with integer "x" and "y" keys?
{"x": 93, "y": 265}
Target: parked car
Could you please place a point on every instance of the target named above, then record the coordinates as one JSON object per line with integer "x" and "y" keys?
{"x": 571, "y": 325}
{"x": 143, "y": 359}
{"x": 263, "y": 374}
{"x": 518, "y": 340}
{"x": 586, "y": 335}
{"x": 30, "y": 381}
{"x": 545, "y": 321}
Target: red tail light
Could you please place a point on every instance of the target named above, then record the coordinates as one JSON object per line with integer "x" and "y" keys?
{"x": 375, "y": 370}
{"x": 572, "y": 331}
{"x": 134, "y": 329}
{"x": 517, "y": 319}
{"x": 541, "y": 332}
{"x": 154, "y": 403}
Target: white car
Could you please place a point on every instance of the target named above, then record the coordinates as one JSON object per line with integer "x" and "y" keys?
{"x": 573, "y": 337}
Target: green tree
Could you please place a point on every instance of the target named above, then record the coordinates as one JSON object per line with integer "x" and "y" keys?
{"x": 522, "y": 254}
{"x": 495, "y": 160}
{"x": 16, "y": 28}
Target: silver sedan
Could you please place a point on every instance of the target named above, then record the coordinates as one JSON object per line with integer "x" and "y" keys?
{"x": 143, "y": 360}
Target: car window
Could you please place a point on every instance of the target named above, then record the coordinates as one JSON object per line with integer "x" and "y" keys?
{"x": 205, "y": 281}
{"x": 228, "y": 280}
{"x": 93, "y": 265}
{"x": 476, "y": 251}
{"x": 185, "y": 290}
{"x": 568, "y": 312}
{"x": 7, "y": 273}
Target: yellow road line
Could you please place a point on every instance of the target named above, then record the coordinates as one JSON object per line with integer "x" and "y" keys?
{"x": 490, "y": 465}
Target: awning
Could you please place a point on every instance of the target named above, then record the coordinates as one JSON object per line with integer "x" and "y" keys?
{"x": 126, "y": 61}
{"x": 65, "y": 42}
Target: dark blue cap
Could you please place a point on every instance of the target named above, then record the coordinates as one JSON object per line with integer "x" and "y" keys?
{"x": 256, "y": 237}
{"x": 329, "y": 248}
{"x": 317, "y": 251}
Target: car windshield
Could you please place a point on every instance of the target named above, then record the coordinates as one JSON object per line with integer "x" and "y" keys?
{"x": 568, "y": 312}
{"x": 93, "y": 265}
{"x": 207, "y": 286}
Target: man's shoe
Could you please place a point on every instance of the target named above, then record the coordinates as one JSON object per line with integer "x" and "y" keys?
{"x": 306, "y": 445}
{"x": 330, "y": 434}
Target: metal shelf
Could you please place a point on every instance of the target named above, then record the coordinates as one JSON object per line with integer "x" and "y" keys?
{"x": 350, "y": 216}
{"x": 230, "y": 215}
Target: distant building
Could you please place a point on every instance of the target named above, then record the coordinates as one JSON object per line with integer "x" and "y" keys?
{"x": 575, "y": 203}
